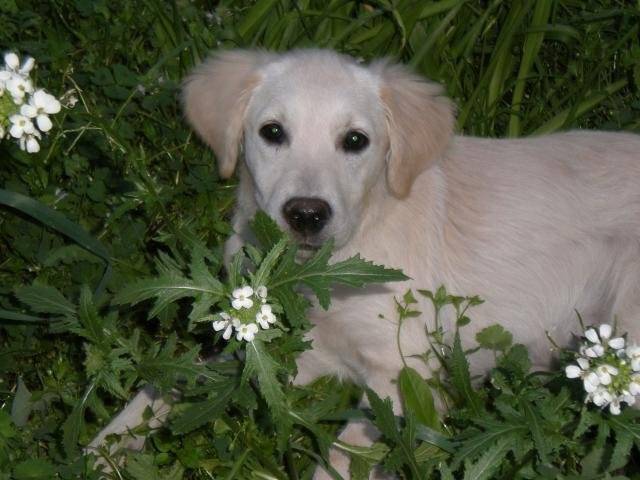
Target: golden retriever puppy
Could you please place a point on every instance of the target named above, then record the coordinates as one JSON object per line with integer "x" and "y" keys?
{"x": 366, "y": 155}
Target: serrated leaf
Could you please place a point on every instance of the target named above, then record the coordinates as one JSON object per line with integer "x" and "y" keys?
{"x": 200, "y": 413}
{"x": 92, "y": 325}
{"x": 475, "y": 445}
{"x": 621, "y": 451}
{"x": 261, "y": 276}
{"x": 34, "y": 469}
{"x": 165, "y": 368}
{"x": 461, "y": 378}
{"x": 534, "y": 423}
{"x": 165, "y": 289}
{"x": 317, "y": 274}
{"x": 293, "y": 304}
{"x": 488, "y": 463}
{"x": 384, "y": 417}
{"x": 258, "y": 362}
{"x": 266, "y": 230}
{"x": 45, "y": 299}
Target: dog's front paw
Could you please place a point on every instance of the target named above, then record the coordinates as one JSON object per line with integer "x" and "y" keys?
{"x": 339, "y": 461}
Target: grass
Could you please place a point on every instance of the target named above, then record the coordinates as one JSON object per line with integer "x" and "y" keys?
{"x": 123, "y": 166}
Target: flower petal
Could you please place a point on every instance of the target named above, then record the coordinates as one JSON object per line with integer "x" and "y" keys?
{"x": 573, "y": 371}
{"x": 32, "y": 145}
{"x": 617, "y": 343}
{"x": 605, "y": 331}
{"x": 28, "y": 111}
{"x": 44, "y": 123}
{"x": 592, "y": 336}
{"x": 227, "y": 333}
{"x": 11, "y": 60}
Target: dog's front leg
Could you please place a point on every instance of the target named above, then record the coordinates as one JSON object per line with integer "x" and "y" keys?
{"x": 361, "y": 433}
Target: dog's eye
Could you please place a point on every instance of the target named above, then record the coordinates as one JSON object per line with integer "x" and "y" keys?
{"x": 273, "y": 133}
{"x": 355, "y": 141}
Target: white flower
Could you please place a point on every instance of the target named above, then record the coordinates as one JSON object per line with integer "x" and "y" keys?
{"x": 633, "y": 352}
{"x": 242, "y": 298}
{"x": 601, "y": 397}
{"x": 29, "y": 142}
{"x": 261, "y": 291}
{"x": 594, "y": 351}
{"x": 591, "y": 382}
{"x": 265, "y": 316}
{"x": 227, "y": 323}
{"x": 18, "y": 87}
{"x": 628, "y": 398}
{"x": 614, "y": 407}
{"x": 604, "y": 373}
{"x": 247, "y": 332}
{"x": 20, "y": 125}
{"x": 12, "y": 62}
{"x": 40, "y": 106}
{"x": 575, "y": 371}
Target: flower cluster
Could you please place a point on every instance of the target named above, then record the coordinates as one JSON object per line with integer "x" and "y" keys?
{"x": 250, "y": 309}
{"x": 609, "y": 369}
{"x": 21, "y": 104}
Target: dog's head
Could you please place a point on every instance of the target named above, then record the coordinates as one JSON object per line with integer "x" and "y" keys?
{"x": 317, "y": 131}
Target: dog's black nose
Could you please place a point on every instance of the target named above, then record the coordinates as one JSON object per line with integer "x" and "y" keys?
{"x": 306, "y": 215}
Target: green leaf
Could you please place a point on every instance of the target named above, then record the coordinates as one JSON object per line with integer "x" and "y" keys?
{"x": 45, "y": 299}
{"x": 621, "y": 451}
{"x": 477, "y": 444}
{"x": 258, "y": 362}
{"x": 488, "y": 463}
{"x": 384, "y": 417}
{"x": 172, "y": 286}
{"x": 200, "y": 413}
{"x": 21, "y": 406}
{"x": 461, "y": 378}
{"x": 494, "y": 338}
{"x": 319, "y": 275}
{"x": 417, "y": 397}
{"x": 535, "y": 425}
{"x": 34, "y": 469}
{"x": 261, "y": 276}
{"x": 71, "y": 429}
{"x": 165, "y": 368}
{"x": 60, "y": 223}
{"x": 266, "y": 230}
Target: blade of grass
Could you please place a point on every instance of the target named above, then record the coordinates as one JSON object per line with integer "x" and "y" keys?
{"x": 58, "y": 222}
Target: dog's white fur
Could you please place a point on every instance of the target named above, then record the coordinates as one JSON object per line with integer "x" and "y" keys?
{"x": 538, "y": 227}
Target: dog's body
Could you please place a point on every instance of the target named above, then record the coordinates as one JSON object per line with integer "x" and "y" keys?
{"x": 539, "y": 228}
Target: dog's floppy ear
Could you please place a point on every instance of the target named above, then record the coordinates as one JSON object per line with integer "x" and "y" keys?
{"x": 419, "y": 123}
{"x": 215, "y": 97}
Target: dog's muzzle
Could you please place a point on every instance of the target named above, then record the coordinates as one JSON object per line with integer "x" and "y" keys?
{"x": 306, "y": 216}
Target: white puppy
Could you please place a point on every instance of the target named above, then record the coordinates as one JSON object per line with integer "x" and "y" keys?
{"x": 329, "y": 147}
